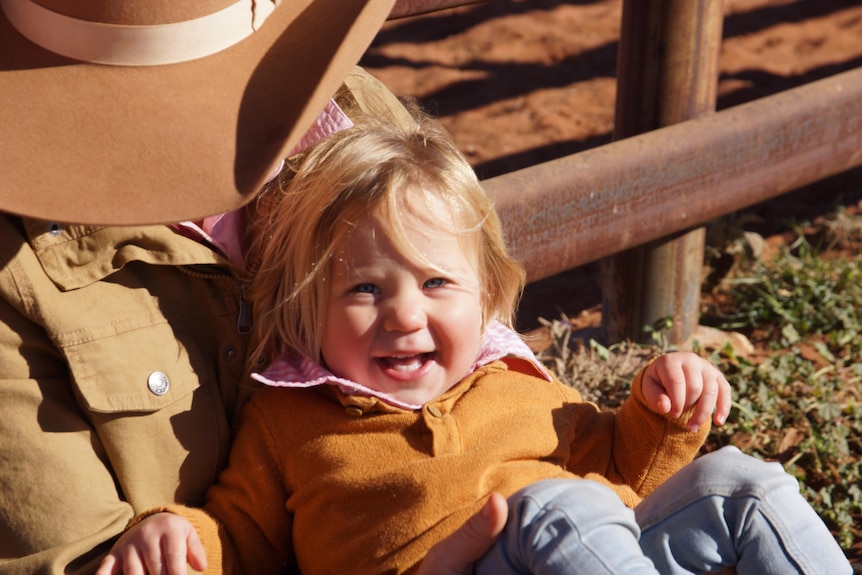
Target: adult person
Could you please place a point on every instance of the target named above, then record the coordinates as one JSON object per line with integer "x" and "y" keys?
{"x": 122, "y": 347}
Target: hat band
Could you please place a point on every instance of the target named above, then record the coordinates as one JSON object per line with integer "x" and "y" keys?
{"x": 128, "y": 45}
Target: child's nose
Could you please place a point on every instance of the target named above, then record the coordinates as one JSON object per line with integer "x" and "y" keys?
{"x": 404, "y": 313}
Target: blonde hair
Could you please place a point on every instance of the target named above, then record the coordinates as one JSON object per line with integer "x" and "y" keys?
{"x": 375, "y": 167}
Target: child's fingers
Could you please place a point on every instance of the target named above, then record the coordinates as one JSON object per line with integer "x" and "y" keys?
{"x": 177, "y": 551}
{"x": 708, "y": 395}
{"x": 668, "y": 382}
{"x": 109, "y": 566}
{"x": 679, "y": 381}
{"x": 722, "y": 408}
{"x": 197, "y": 554}
{"x": 123, "y": 560}
{"x": 173, "y": 556}
{"x": 655, "y": 396}
{"x": 132, "y": 563}
{"x": 713, "y": 401}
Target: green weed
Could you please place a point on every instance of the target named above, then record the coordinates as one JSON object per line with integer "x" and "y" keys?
{"x": 799, "y": 400}
{"x": 800, "y": 404}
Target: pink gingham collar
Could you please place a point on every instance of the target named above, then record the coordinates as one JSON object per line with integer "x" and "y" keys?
{"x": 295, "y": 370}
{"x": 226, "y": 232}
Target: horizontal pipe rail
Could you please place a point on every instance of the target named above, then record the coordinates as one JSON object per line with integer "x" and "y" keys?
{"x": 404, "y": 8}
{"x": 567, "y": 212}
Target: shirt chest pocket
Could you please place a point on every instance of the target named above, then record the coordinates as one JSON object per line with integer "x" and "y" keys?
{"x": 149, "y": 398}
{"x": 139, "y": 370}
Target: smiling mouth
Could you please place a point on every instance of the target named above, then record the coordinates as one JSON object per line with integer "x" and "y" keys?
{"x": 406, "y": 363}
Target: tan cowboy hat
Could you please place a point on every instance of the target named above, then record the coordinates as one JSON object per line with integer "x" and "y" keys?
{"x": 153, "y": 111}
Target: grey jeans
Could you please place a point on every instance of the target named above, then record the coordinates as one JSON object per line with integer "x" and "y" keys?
{"x": 724, "y": 509}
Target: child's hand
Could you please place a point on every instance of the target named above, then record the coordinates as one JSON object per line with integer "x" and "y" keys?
{"x": 162, "y": 544}
{"x": 676, "y": 381}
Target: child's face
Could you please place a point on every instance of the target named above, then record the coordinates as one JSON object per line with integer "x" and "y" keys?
{"x": 398, "y": 325}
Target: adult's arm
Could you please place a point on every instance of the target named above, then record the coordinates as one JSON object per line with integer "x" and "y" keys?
{"x": 58, "y": 501}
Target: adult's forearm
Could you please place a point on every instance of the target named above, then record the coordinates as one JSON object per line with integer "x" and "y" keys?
{"x": 57, "y": 500}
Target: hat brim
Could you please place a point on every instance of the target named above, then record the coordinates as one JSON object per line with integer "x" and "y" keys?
{"x": 97, "y": 144}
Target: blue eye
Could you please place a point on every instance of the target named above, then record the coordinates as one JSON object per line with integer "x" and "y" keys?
{"x": 365, "y": 288}
{"x": 435, "y": 283}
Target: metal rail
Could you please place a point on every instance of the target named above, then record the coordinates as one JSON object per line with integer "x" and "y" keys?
{"x": 404, "y": 8}
{"x": 568, "y": 212}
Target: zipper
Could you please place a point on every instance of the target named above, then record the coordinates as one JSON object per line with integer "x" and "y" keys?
{"x": 245, "y": 319}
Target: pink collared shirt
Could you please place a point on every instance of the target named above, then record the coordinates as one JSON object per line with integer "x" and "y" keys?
{"x": 295, "y": 370}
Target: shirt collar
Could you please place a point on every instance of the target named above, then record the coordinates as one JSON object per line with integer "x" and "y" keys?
{"x": 294, "y": 370}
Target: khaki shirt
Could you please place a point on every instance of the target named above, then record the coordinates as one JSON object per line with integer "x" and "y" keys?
{"x": 122, "y": 375}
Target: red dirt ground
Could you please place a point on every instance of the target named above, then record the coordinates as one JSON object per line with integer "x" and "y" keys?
{"x": 522, "y": 82}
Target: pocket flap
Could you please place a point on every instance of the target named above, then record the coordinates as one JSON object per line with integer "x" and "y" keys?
{"x": 140, "y": 370}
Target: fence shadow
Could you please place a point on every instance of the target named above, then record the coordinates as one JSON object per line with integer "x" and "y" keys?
{"x": 439, "y": 25}
{"x": 502, "y": 81}
{"x": 759, "y": 84}
{"x": 497, "y": 83}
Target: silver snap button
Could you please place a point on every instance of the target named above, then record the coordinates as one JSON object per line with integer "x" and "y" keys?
{"x": 158, "y": 383}
{"x": 55, "y": 229}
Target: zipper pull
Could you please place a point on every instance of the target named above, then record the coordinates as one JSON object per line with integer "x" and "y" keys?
{"x": 244, "y": 321}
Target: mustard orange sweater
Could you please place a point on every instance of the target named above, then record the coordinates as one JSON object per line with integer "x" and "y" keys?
{"x": 348, "y": 484}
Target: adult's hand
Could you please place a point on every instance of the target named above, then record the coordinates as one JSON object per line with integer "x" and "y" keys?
{"x": 456, "y": 554}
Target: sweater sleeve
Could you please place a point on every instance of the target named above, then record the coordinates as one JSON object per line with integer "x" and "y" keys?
{"x": 244, "y": 526}
{"x": 633, "y": 450}
{"x": 649, "y": 447}
{"x": 248, "y": 503}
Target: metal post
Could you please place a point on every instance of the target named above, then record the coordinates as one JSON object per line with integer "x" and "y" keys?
{"x": 667, "y": 73}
